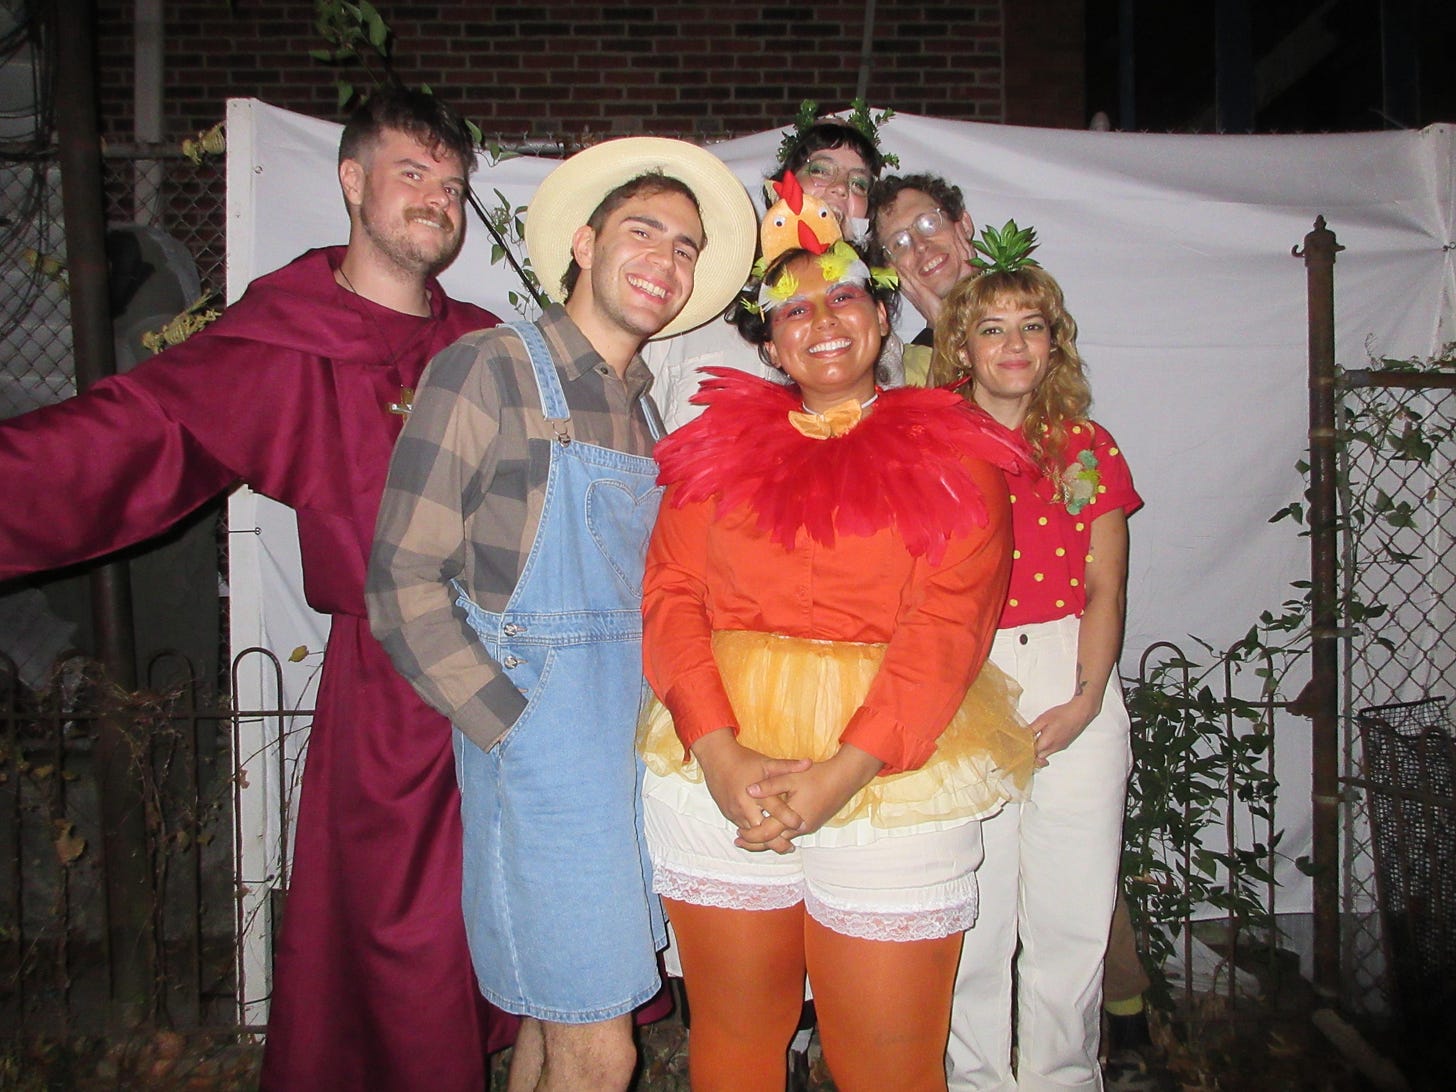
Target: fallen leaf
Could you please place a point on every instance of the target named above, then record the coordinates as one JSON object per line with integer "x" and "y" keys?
{"x": 69, "y": 844}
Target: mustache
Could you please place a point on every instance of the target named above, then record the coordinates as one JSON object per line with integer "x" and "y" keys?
{"x": 429, "y": 216}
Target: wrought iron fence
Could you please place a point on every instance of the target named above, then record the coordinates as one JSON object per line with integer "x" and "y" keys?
{"x": 54, "y": 937}
{"x": 1200, "y": 839}
{"x": 1398, "y": 569}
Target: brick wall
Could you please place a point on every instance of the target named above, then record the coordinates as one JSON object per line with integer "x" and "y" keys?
{"x": 560, "y": 68}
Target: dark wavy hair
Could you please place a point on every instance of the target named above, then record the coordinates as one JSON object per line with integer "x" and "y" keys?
{"x": 1063, "y": 396}
{"x": 827, "y": 134}
{"x": 419, "y": 115}
{"x": 756, "y": 328}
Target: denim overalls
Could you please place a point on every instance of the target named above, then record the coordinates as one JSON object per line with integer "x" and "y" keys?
{"x": 558, "y": 901}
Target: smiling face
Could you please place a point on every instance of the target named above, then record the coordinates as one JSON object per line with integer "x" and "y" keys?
{"x": 839, "y": 178}
{"x": 826, "y": 337}
{"x": 1008, "y": 351}
{"x": 409, "y": 205}
{"x": 638, "y": 267}
{"x": 932, "y": 264}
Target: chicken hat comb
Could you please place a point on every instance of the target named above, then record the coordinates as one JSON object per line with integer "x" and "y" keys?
{"x": 800, "y": 221}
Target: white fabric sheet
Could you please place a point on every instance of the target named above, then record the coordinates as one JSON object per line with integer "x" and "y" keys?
{"x": 1174, "y": 252}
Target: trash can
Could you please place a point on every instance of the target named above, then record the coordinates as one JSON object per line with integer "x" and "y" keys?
{"x": 1410, "y": 784}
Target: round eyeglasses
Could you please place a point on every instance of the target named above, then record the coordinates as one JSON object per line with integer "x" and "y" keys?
{"x": 826, "y": 173}
{"x": 925, "y": 225}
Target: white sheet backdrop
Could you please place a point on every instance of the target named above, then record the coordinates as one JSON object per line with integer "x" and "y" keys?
{"x": 1175, "y": 255}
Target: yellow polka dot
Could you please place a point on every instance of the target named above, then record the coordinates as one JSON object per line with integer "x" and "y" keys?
{"x": 1075, "y": 582}
{"x": 1089, "y": 557}
{"x": 1012, "y": 603}
{"x": 1015, "y": 555}
{"x": 1013, "y": 498}
{"x": 1112, "y": 451}
{"x": 1061, "y": 552}
{"x": 1039, "y": 577}
{"x": 1042, "y": 522}
{"x": 1061, "y": 603}
{"x": 1076, "y": 430}
{"x": 1080, "y": 526}
{"x": 1102, "y": 489}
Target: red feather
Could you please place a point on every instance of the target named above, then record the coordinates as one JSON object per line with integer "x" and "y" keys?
{"x": 903, "y": 466}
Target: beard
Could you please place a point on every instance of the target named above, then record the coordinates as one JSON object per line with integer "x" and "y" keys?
{"x": 402, "y": 246}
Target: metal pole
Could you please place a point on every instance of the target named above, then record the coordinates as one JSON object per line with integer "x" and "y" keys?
{"x": 123, "y": 829}
{"x": 1320, "y": 248}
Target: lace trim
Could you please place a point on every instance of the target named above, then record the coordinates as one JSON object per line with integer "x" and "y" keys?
{"x": 702, "y": 890}
{"x": 897, "y": 926}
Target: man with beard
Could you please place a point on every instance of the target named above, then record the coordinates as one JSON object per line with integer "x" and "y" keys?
{"x": 297, "y": 391}
{"x": 506, "y": 584}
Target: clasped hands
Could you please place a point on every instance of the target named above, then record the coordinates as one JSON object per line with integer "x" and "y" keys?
{"x": 774, "y": 800}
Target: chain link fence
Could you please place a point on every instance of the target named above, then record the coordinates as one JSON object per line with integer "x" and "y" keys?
{"x": 171, "y": 210}
{"x": 1398, "y": 475}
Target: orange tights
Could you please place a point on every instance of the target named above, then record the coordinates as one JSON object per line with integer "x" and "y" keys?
{"x": 883, "y": 1006}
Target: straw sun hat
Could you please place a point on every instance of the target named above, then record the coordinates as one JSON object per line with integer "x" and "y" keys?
{"x": 571, "y": 193}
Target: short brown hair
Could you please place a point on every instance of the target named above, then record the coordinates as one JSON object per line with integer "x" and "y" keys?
{"x": 647, "y": 184}
{"x": 419, "y": 115}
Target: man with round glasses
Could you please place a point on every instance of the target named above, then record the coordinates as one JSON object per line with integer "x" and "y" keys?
{"x": 921, "y": 222}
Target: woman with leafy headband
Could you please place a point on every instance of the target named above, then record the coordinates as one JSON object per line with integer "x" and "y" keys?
{"x": 1050, "y": 874}
{"x": 822, "y": 586}
{"x": 835, "y": 160}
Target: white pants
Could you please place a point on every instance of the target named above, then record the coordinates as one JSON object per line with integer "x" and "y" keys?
{"x": 1049, "y": 878}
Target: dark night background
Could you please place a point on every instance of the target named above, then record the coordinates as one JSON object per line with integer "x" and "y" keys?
{"x": 1285, "y": 65}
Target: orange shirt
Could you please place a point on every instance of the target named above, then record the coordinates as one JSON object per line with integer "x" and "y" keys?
{"x": 708, "y": 571}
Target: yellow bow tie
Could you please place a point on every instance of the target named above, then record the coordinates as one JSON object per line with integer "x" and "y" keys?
{"x": 835, "y": 421}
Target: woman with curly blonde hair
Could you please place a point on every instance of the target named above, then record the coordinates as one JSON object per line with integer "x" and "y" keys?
{"x": 1049, "y": 880}
{"x": 1062, "y": 395}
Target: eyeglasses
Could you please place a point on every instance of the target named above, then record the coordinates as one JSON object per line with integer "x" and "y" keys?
{"x": 925, "y": 225}
{"x": 826, "y": 174}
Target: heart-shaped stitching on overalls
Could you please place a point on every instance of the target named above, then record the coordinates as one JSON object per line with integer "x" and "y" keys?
{"x": 612, "y": 506}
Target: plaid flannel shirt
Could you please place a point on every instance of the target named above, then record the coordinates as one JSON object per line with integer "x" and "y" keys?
{"x": 464, "y": 497}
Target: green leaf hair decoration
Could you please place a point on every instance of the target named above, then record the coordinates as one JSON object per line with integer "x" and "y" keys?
{"x": 1006, "y": 250}
{"x": 859, "y": 118}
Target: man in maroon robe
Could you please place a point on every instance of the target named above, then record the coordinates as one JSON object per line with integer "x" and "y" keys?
{"x": 296, "y": 391}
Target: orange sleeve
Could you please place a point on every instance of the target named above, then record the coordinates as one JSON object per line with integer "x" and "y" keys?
{"x": 943, "y": 633}
{"x": 677, "y": 646}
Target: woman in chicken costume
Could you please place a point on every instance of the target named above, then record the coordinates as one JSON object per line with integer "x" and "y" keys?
{"x": 822, "y": 589}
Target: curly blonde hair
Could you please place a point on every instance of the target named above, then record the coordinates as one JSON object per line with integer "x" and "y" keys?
{"x": 1062, "y": 397}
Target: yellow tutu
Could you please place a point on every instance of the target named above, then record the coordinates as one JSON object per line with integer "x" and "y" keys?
{"x": 793, "y": 698}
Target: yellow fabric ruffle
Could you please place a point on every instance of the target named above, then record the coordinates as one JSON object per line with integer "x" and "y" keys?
{"x": 793, "y": 698}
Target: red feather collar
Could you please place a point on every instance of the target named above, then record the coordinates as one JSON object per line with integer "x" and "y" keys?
{"x": 903, "y": 466}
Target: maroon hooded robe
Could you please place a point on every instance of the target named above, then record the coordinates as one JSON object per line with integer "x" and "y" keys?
{"x": 289, "y": 392}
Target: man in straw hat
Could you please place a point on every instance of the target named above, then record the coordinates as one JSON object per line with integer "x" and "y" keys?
{"x": 505, "y": 584}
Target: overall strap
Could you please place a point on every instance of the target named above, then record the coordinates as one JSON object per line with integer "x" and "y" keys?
{"x": 548, "y": 384}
